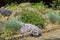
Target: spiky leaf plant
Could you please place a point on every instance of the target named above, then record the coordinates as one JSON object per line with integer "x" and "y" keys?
{"x": 12, "y": 25}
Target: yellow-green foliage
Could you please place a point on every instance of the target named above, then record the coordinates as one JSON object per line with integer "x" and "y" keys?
{"x": 12, "y": 6}
{"x": 6, "y": 34}
{"x": 40, "y": 6}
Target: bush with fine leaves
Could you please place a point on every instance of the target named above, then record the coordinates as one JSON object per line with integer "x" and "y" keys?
{"x": 12, "y": 25}
{"x": 32, "y": 18}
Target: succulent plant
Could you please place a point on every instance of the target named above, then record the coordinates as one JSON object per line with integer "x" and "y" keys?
{"x": 54, "y": 18}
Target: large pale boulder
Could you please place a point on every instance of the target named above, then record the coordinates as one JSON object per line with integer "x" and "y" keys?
{"x": 31, "y": 30}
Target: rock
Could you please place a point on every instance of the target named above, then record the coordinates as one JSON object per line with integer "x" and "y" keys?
{"x": 5, "y": 12}
{"x": 3, "y": 18}
{"x": 31, "y": 30}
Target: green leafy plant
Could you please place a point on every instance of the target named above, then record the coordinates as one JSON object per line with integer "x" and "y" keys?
{"x": 33, "y": 18}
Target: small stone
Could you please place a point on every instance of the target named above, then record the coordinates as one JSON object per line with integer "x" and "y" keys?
{"x": 5, "y": 12}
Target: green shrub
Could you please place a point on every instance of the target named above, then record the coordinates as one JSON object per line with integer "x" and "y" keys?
{"x": 33, "y": 18}
{"x": 39, "y": 6}
{"x": 6, "y": 34}
{"x": 12, "y": 25}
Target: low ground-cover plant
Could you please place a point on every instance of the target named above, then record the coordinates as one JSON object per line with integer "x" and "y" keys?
{"x": 33, "y": 18}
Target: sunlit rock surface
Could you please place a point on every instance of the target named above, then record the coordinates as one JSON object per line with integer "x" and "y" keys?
{"x": 30, "y": 29}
